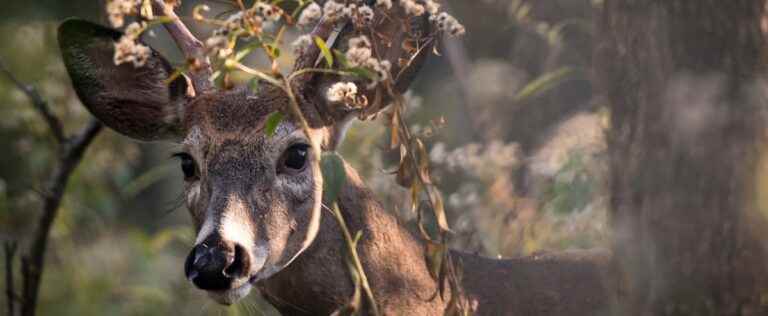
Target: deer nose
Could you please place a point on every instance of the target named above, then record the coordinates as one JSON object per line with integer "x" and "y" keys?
{"x": 215, "y": 264}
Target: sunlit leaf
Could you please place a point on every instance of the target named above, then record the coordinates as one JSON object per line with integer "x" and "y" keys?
{"x": 324, "y": 50}
{"x": 439, "y": 208}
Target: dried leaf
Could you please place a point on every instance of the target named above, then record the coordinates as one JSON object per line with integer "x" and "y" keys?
{"x": 415, "y": 196}
{"x": 438, "y": 207}
{"x": 423, "y": 162}
{"x": 405, "y": 174}
{"x": 395, "y": 137}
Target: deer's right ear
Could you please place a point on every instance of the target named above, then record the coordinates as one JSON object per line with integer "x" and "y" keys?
{"x": 134, "y": 101}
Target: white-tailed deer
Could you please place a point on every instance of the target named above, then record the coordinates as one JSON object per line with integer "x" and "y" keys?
{"x": 256, "y": 199}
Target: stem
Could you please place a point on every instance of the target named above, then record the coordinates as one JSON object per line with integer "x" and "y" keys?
{"x": 355, "y": 258}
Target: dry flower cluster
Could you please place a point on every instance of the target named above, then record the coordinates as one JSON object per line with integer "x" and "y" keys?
{"x": 129, "y": 50}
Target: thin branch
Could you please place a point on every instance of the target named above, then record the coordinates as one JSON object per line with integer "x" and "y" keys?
{"x": 10, "y": 293}
{"x": 191, "y": 47}
{"x": 38, "y": 102}
{"x": 70, "y": 156}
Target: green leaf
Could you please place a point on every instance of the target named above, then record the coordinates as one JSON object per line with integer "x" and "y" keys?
{"x": 340, "y": 58}
{"x": 543, "y": 83}
{"x": 324, "y": 49}
{"x": 334, "y": 176}
{"x": 364, "y": 73}
{"x": 273, "y": 121}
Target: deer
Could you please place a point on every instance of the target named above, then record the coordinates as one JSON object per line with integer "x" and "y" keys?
{"x": 256, "y": 199}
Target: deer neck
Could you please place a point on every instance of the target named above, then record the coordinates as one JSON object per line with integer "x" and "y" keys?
{"x": 318, "y": 281}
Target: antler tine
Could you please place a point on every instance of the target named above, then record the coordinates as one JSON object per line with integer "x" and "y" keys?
{"x": 190, "y": 46}
{"x": 307, "y": 59}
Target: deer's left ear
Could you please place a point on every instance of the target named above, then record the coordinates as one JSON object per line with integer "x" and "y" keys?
{"x": 135, "y": 101}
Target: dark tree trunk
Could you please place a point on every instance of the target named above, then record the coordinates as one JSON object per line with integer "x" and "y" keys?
{"x": 685, "y": 83}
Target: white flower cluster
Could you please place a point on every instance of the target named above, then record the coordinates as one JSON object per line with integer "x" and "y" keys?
{"x": 129, "y": 50}
{"x": 249, "y": 22}
{"x": 310, "y": 15}
{"x": 218, "y": 45}
{"x": 301, "y": 44}
{"x": 361, "y": 14}
{"x": 360, "y": 54}
{"x": 118, "y": 9}
{"x": 447, "y": 23}
{"x": 484, "y": 162}
{"x": 387, "y": 4}
{"x": 345, "y": 92}
{"x": 268, "y": 11}
{"x": 444, "y": 21}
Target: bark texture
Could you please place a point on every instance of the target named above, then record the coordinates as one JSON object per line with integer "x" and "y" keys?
{"x": 686, "y": 89}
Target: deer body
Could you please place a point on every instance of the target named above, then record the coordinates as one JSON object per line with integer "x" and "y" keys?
{"x": 256, "y": 198}
{"x": 318, "y": 283}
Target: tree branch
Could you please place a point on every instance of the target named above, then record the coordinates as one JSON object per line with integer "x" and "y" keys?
{"x": 191, "y": 47}
{"x": 33, "y": 262}
{"x": 54, "y": 124}
{"x": 69, "y": 156}
{"x": 10, "y": 252}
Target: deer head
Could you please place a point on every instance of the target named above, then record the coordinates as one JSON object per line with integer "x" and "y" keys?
{"x": 255, "y": 198}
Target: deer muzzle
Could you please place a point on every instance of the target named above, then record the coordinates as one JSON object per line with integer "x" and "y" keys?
{"x": 217, "y": 264}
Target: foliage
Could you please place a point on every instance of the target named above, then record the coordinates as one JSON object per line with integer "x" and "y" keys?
{"x": 117, "y": 249}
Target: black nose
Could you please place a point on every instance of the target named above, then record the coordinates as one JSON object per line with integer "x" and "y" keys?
{"x": 215, "y": 264}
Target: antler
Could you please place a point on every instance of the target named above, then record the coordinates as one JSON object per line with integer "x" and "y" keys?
{"x": 193, "y": 49}
{"x": 401, "y": 39}
{"x": 308, "y": 57}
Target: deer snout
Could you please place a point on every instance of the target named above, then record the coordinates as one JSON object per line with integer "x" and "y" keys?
{"x": 216, "y": 264}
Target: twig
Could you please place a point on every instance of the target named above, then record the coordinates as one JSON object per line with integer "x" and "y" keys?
{"x": 38, "y": 102}
{"x": 33, "y": 263}
{"x": 358, "y": 265}
{"x": 10, "y": 253}
{"x": 192, "y": 48}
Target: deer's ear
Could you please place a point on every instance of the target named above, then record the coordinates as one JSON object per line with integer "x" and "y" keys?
{"x": 134, "y": 101}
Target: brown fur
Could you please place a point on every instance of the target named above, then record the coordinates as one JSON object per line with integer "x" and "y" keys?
{"x": 318, "y": 282}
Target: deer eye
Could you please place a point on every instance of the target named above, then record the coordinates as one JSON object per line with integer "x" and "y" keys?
{"x": 187, "y": 166}
{"x": 295, "y": 158}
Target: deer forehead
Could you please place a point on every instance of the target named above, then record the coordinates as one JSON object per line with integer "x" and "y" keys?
{"x": 227, "y": 114}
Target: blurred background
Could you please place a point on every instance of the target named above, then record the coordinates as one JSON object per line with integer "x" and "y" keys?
{"x": 521, "y": 158}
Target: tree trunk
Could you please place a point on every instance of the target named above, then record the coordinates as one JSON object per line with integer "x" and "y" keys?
{"x": 684, "y": 79}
